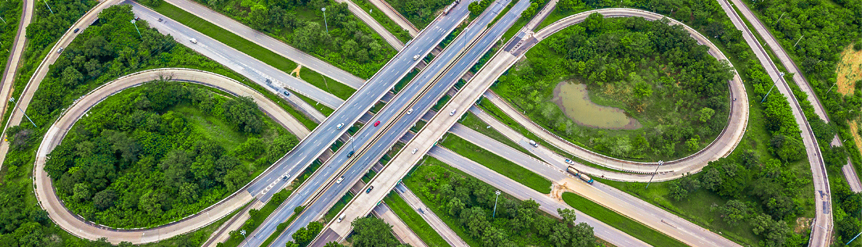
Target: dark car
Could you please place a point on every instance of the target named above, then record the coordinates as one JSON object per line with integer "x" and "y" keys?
{"x": 369, "y": 189}
{"x": 376, "y": 123}
{"x": 76, "y": 30}
{"x": 350, "y": 154}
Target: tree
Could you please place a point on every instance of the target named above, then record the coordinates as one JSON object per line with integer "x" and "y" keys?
{"x": 455, "y": 206}
{"x": 81, "y": 192}
{"x": 331, "y": 244}
{"x": 372, "y": 232}
{"x": 706, "y": 114}
{"x": 733, "y": 212}
{"x": 259, "y": 17}
{"x": 104, "y": 199}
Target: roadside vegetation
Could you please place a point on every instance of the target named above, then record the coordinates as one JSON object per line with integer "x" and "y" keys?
{"x": 498, "y": 164}
{"x": 23, "y": 222}
{"x": 768, "y": 203}
{"x": 160, "y": 152}
{"x": 343, "y": 40}
{"x": 10, "y": 11}
{"x": 655, "y": 72}
{"x": 414, "y": 220}
{"x": 419, "y": 12}
{"x": 465, "y": 204}
{"x": 384, "y": 20}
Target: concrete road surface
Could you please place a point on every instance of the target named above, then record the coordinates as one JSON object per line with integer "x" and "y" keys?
{"x": 26, "y": 96}
{"x": 365, "y": 17}
{"x": 243, "y": 64}
{"x": 521, "y": 192}
{"x": 269, "y": 43}
{"x": 722, "y": 146}
{"x": 76, "y": 225}
{"x": 308, "y": 150}
{"x": 393, "y": 14}
{"x": 821, "y": 229}
{"x": 430, "y": 217}
{"x": 15, "y": 60}
{"x": 613, "y": 199}
{"x": 852, "y": 179}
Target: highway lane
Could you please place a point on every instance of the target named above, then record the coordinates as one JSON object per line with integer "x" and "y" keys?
{"x": 239, "y": 62}
{"x": 821, "y": 228}
{"x": 14, "y": 61}
{"x": 403, "y": 124}
{"x": 42, "y": 70}
{"x": 76, "y": 225}
{"x": 269, "y": 43}
{"x": 429, "y": 216}
{"x": 393, "y": 14}
{"x": 611, "y": 198}
{"x": 374, "y": 142}
{"x": 325, "y": 134}
{"x": 521, "y": 192}
{"x": 365, "y": 17}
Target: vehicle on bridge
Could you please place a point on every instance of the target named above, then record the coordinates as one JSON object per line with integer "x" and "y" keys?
{"x": 580, "y": 175}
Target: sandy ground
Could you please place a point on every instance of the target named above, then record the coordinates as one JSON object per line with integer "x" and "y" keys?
{"x": 849, "y": 70}
{"x": 296, "y": 70}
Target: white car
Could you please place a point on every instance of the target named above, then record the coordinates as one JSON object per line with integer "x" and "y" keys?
{"x": 416, "y": 57}
{"x": 339, "y": 126}
{"x": 409, "y": 111}
{"x": 339, "y": 180}
{"x": 193, "y": 40}
{"x": 452, "y": 113}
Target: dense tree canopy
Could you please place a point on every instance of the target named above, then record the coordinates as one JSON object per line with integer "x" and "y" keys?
{"x": 349, "y": 43}
{"x": 10, "y": 11}
{"x": 660, "y": 75}
{"x": 419, "y": 12}
{"x": 470, "y": 203}
{"x": 143, "y": 157}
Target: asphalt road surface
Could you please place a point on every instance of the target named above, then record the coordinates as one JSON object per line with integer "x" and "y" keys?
{"x": 76, "y": 225}
{"x": 268, "y": 42}
{"x": 325, "y": 134}
{"x": 387, "y": 9}
{"x": 374, "y": 142}
{"x": 14, "y": 61}
{"x": 430, "y": 217}
{"x": 243, "y": 64}
{"x": 521, "y": 192}
{"x": 365, "y": 17}
{"x": 821, "y": 229}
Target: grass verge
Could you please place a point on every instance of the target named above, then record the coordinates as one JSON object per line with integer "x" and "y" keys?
{"x": 497, "y": 163}
{"x": 414, "y": 221}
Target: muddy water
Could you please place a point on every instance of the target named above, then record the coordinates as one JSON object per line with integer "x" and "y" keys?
{"x": 574, "y": 99}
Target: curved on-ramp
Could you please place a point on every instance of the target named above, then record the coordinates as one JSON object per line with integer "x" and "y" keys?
{"x": 78, "y": 226}
{"x": 722, "y": 146}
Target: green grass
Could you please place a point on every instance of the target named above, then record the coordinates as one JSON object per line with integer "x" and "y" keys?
{"x": 384, "y": 20}
{"x": 211, "y": 127}
{"x": 619, "y": 222}
{"x": 472, "y": 121}
{"x": 414, "y": 221}
{"x": 323, "y": 109}
{"x": 368, "y": 175}
{"x": 248, "y": 47}
{"x": 407, "y": 78}
{"x": 440, "y": 103}
{"x": 333, "y": 211}
{"x": 497, "y": 163}
{"x": 419, "y": 125}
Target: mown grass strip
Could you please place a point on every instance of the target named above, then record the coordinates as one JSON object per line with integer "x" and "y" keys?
{"x": 497, "y": 163}
{"x": 414, "y": 221}
{"x": 629, "y": 226}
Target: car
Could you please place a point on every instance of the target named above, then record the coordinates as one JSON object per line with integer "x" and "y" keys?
{"x": 268, "y": 81}
{"x": 193, "y": 40}
{"x": 376, "y": 123}
{"x": 339, "y": 180}
{"x": 452, "y": 113}
{"x": 413, "y": 152}
{"x": 416, "y": 57}
{"x": 285, "y": 177}
{"x": 160, "y": 20}
{"x": 339, "y": 126}
{"x": 369, "y": 189}
{"x": 341, "y": 217}
{"x": 60, "y": 50}
{"x": 76, "y": 30}
{"x": 286, "y": 93}
{"x": 409, "y": 111}
{"x": 350, "y": 154}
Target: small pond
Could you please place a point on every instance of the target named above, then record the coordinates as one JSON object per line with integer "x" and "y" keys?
{"x": 574, "y": 99}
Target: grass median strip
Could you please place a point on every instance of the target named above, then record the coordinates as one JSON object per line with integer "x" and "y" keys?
{"x": 245, "y": 46}
{"x": 414, "y": 221}
{"x": 497, "y": 163}
{"x": 633, "y": 228}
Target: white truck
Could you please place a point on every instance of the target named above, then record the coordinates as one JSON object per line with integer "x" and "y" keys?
{"x": 533, "y": 143}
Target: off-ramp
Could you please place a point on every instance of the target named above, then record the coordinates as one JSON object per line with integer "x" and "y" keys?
{"x": 77, "y": 226}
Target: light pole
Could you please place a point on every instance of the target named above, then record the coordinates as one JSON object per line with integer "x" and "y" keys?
{"x": 351, "y": 144}
{"x": 767, "y": 93}
{"x": 49, "y": 7}
{"x": 25, "y": 114}
{"x": 495, "y": 203}
{"x": 136, "y": 29}
{"x": 653, "y": 174}
{"x": 4, "y": 20}
{"x": 324, "y": 19}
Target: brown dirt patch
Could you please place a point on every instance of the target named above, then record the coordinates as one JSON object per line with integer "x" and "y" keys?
{"x": 849, "y": 70}
{"x": 296, "y": 70}
{"x": 802, "y": 224}
{"x": 854, "y": 130}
